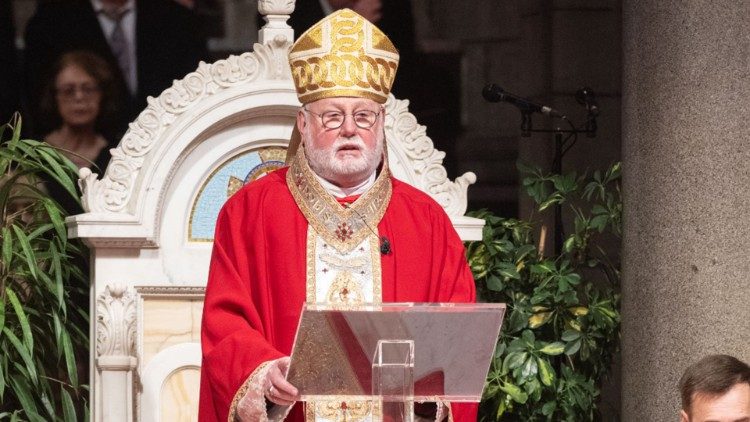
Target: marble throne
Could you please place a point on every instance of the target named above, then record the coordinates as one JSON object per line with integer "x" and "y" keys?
{"x": 149, "y": 219}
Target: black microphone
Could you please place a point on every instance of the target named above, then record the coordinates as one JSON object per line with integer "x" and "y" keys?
{"x": 385, "y": 244}
{"x": 585, "y": 96}
{"x": 495, "y": 94}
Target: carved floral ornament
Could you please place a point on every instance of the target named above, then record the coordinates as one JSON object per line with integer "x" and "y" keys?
{"x": 276, "y": 7}
{"x": 425, "y": 160}
{"x": 267, "y": 63}
{"x": 114, "y": 191}
{"x": 116, "y": 321}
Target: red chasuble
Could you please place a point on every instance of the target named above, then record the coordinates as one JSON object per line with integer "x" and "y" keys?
{"x": 257, "y": 280}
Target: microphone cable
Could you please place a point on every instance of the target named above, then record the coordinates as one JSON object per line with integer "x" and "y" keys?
{"x": 385, "y": 244}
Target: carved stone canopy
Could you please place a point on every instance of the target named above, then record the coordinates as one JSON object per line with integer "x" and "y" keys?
{"x": 123, "y": 207}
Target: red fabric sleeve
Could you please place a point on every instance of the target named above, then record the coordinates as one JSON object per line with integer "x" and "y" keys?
{"x": 233, "y": 334}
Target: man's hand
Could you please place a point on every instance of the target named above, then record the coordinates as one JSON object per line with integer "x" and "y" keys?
{"x": 369, "y": 9}
{"x": 277, "y": 389}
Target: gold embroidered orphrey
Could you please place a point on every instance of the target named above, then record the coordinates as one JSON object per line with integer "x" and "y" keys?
{"x": 344, "y": 410}
{"x": 327, "y": 216}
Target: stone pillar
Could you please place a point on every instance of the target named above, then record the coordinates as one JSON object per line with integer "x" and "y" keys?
{"x": 686, "y": 150}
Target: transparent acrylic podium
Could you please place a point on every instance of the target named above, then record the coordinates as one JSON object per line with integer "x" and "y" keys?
{"x": 394, "y": 355}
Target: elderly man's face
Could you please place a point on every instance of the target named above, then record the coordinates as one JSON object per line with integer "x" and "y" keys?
{"x": 349, "y": 154}
{"x": 732, "y": 406}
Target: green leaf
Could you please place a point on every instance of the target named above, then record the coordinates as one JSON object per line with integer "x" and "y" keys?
{"x": 514, "y": 360}
{"x": 518, "y": 320}
{"x": 57, "y": 272}
{"x": 490, "y": 390}
{"x": 70, "y": 359}
{"x": 546, "y": 373}
{"x": 528, "y": 337}
{"x": 566, "y": 183}
{"x": 58, "y": 173}
{"x": 569, "y": 243}
{"x": 514, "y": 392}
{"x": 57, "y": 219}
{"x": 2, "y": 380}
{"x": 549, "y": 408}
{"x": 598, "y": 209}
{"x": 23, "y": 393}
{"x": 494, "y": 283}
{"x": 501, "y": 407}
{"x": 44, "y": 398}
{"x": 499, "y": 349}
{"x": 572, "y": 347}
{"x": 508, "y": 270}
{"x": 28, "y": 339}
{"x": 614, "y": 172}
{"x": 543, "y": 267}
{"x": 69, "y": 411}
{"x": 552, "y": 200}
{"x": 572, "y": 278}
{"x": 7, "y": 248}
{"x": 523, "y": 251}
{"x": 2, "y": 316}
{"x": 517, "y": 345}
{"x": 553, "y": 349}
{"x": 39, "y": 231}
{"x": 570, "y": 335}
{"x": 539, "y": 319}
{"x": 530, "y": 368}
{"x": 27, "y": 250}
{"x": 25, "y": 356}
{"x": 58, "y": 332}
{"x": 599, "y": 222}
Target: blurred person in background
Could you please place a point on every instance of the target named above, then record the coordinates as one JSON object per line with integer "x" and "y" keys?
{"x": 78, "y": 105}
{"x": 147, "y": 43}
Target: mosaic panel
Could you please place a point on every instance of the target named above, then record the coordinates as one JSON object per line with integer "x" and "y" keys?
{"x": 224, "y": 182}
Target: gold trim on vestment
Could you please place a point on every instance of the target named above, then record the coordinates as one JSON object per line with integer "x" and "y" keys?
{"x": 231, "y": 416}
{"x": 311, "y": 295}
{"x": 342, "y": 228}
{"x": 356, "y": 409}
{"x": 377, "y": 272}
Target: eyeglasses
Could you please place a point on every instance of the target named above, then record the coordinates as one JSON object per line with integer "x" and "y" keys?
{"x": 68, "y": 92}
{"x": 364, "y": 119}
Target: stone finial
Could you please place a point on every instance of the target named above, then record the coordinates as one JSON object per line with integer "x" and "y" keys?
{"x": 276, "y": 7}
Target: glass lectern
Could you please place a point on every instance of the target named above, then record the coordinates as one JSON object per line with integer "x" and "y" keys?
{"x": 393, "y": 355}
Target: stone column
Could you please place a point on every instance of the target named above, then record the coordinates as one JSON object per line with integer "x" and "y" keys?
{"x": 686, "y": 150}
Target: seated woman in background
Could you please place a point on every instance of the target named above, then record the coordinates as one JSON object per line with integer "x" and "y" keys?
{"x": 79, "y": 105}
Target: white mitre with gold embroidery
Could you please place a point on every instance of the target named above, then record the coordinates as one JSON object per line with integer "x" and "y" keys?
{"x": 343, "y": 55}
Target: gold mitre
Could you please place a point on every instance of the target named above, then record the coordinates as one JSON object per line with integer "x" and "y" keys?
{"x": 343, "y": 55}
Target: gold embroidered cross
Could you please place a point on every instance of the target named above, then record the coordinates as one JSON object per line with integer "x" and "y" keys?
{"x": 344, "y": 231}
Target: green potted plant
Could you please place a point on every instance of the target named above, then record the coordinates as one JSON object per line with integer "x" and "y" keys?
{"x": 561, "y": 330}
{"x": 43, "y": 290}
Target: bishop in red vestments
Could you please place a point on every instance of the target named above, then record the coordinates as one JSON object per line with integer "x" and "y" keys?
{"x": 334, "y": 227}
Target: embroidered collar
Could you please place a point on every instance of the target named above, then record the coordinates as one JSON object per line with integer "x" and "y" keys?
{"x": 343, "y": 228}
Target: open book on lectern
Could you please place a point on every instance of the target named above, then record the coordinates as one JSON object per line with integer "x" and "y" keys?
{"x": 445, "y": 349}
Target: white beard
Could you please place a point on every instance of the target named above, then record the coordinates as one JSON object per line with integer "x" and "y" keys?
{"x": 325, "y": 163}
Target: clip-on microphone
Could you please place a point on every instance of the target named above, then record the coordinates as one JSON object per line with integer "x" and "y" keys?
{"x": 385, "y": 244}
